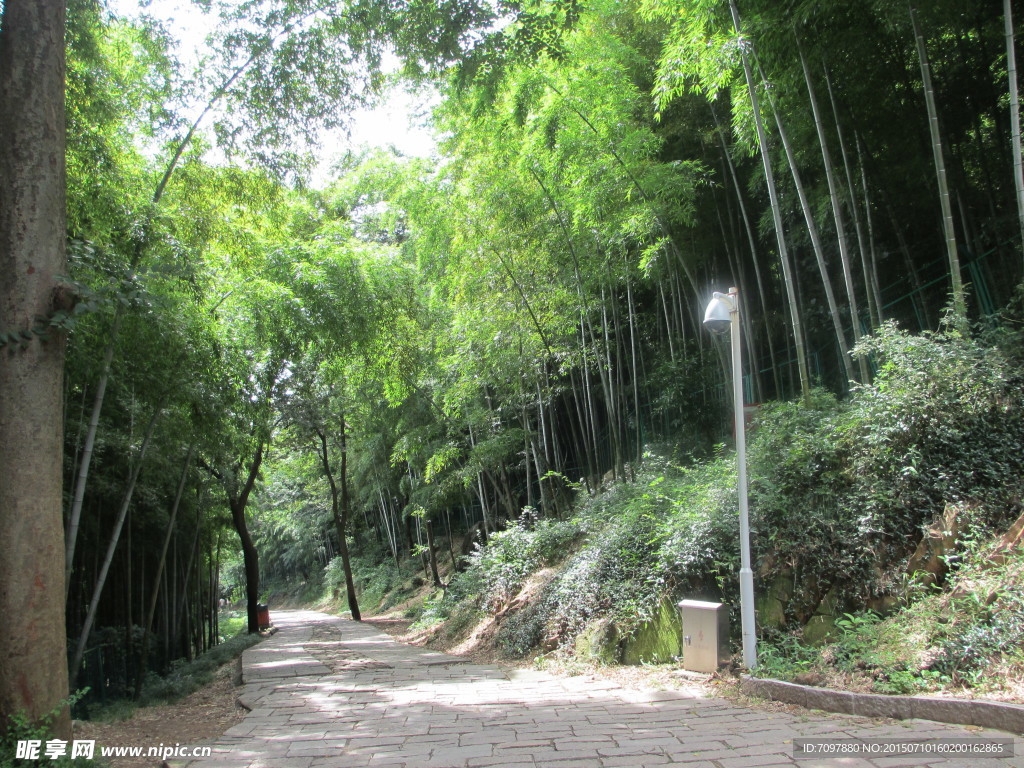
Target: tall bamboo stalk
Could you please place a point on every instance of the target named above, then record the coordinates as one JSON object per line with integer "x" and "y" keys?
{"x": 1011, "y": 71}
{"x": 956, "y": 279}
{"x": 773, "y": 197}
{"x": 837, "y": 211}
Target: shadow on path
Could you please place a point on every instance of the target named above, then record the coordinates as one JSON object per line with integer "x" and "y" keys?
{"x": 327, "y": 692}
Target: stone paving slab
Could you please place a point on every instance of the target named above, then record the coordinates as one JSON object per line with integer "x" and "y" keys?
{"x": 327, "y": 692}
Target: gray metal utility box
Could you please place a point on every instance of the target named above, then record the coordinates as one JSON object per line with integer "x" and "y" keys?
{"x": 705, "y": 635}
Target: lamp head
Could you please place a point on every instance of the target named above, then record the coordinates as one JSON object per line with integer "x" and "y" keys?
{"x": 718, "y": 315}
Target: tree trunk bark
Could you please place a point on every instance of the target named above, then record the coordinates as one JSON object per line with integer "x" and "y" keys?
{"x": 837, "y": 214}
{"x": 33, "y": 677}
{"x": 340, "y": 512}
{"x": 819, "y": 251}
{"x": 432, "y": 554}
{"x": 251, "y": 561}
{"x": 237, "y": 499}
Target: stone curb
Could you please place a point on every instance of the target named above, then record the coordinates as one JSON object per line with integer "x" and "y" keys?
{"x": 986, "y": 714}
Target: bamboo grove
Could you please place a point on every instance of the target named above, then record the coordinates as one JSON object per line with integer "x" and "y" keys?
{"x": 267, "y": 377}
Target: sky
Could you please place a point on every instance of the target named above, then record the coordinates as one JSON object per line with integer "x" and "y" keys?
{"x": 399, "y": 120}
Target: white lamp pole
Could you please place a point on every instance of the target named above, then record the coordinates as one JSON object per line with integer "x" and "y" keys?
{"x": 724, "y": 312}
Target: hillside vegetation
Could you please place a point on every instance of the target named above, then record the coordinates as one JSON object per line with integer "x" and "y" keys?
{"x": 879, "y": 532}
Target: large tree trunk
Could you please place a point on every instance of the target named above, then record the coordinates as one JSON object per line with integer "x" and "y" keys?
{"x": 251, "y": 561}
{"x": 33, "y": 675}
{"x": 238, "y": 499}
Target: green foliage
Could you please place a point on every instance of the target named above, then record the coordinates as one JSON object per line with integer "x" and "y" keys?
{"x": 498, "y": 571}
{"x": 671, "y": 527}
{"x": 968, "y": 636}
{"x": 841, "y": 491}
{"x": 513, "y": 554}
{"x": 377, "y": 579}
{"x": 18, "y": 728}
{"x": 188, "y": 676}
{"x": 466, "y": 334}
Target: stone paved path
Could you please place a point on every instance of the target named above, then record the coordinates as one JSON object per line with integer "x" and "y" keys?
{"x": 332, "y": 693}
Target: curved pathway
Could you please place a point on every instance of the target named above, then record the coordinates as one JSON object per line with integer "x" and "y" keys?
{"x": 327, "y": 692}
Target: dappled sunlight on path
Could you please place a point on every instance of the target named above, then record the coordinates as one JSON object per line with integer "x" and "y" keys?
{"x": 326, "y": 692}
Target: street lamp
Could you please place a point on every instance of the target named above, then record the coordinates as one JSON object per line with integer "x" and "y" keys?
{"x": 723, "y": 314}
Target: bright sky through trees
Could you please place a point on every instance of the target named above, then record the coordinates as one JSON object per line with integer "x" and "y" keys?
{"x": 399, "y": 119}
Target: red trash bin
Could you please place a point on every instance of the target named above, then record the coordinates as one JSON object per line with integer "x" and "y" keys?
{"x": 263, "y": 616}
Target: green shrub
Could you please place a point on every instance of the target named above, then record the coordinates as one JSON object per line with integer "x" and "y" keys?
{"x": 670, "y": 527}
{"x": 188, "y": 676}
{"x": 966, "y": 636}
{"x": 19, "y": 728}
{"x": 376, "y": 577}
{"x": 513, "y": 554}
{"x": 840, "y": 492}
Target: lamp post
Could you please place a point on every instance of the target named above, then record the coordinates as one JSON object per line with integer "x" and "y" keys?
{"x": 721, "y": 315}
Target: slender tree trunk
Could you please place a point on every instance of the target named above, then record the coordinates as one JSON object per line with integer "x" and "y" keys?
{"x": 635, "y": 373}
{"x": 870, "y": 223}
{"x": 184, "y": 609}
{"x": 959, "y": 297}
{"x": 216, "y": 593}
{"x": 155, "y": 592}
{"x": 837, "y": 213}
{"x": 874, "y": 305}
{"x": 85, "y": 461}
{"x": 115, "y": 536}
{"x": 33, "y": 677}
{"x": 481, "y": 492}
{"x": 432, "y": 554}
{"x": 752, "y": 242}
{"x": 773, "y": 197}
{"x": 448, "y": 530}
{"x": 340, "y": 511}
{"x": 610, "y": 379}
{"x": 386, "y": 521}
{"x": 819, "y": 251}
{"x": 1011, "y": 71}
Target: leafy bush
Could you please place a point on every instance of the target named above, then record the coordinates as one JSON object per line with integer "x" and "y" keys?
{"x": 19, "y": 728}
{"x": 840, "y": 492}
{"x": 513, "y": 554}
{"x": 188, "y": 676}
{"x": 498, "y": 571}
{"x": 960, "y": 637}
{"x": 672, "y": 527}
